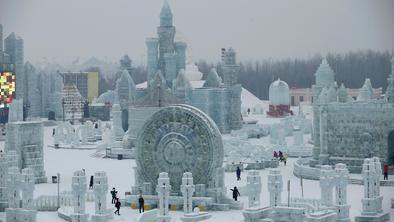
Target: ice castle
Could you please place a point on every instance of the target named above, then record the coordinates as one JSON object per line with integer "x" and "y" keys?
{"x": 347, "y": 130}
{"x": 167, "y": 83}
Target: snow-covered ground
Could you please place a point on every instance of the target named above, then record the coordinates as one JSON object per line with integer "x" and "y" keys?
{"x": 121, "y": 175}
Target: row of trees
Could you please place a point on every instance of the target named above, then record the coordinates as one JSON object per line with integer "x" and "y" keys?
{"x": 351, "y": 69}
{"x": 256, "y": 76}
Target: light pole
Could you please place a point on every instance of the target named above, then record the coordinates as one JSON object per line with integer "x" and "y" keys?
{"x": 58, "y": 190}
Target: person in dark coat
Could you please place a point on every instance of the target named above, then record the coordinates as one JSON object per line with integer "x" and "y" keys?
{"x": 386, "y": 172}
{"x": 141, "y": 203}
{"x": 91, "y": 182}
{"x": 113, "y": 193}
{"x": 53, "y": 132}
{"x": 238, "y": 172}
{"x": 275, "y": 155}
{"x": 235, "y": 193}
{"x": 117, "y": 206}
{"x": 280, "y": 155}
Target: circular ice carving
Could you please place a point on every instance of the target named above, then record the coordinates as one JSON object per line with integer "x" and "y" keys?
{"x": 178, "y": 139}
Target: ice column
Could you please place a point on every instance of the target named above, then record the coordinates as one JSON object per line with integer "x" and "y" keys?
{"x": 341, "y": 178}
{"x": 3, "y": 181}
{"x": 378, "y": 173}
{"x": 275, "y": 186}
{"x": 117, "y": 129}
{"x": 369, "y": 203}
{"x": 163, "y": 190}
{"x": 100, "y": 197}
{"x": 79, "y": 193}
{"x": 187, "y": 189}
{"x": 326, "y": 185}
{"x": 153, "y": 53}
{"x": 323, "y": 157}
{"x": 27, "y": 188}
{"x": 253, "y": 186}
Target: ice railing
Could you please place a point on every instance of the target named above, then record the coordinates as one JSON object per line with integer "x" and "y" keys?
{"x": 50, "y": 202}
{"x": 310, "y": 205}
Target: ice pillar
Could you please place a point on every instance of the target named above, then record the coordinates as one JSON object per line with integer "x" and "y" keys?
{"x": 368, "y": 173}
{"x": 170, "y": 68}
{"x": 378, "y": 173}
{"x": 180, "y": 49}
{"x": 163, "y": 191}
{"x": 253, "y": 186}
{"x": 326, "y": 185}
{"x": 323, "y": 157}
{"x": 100, "y": 189}
{"x": 341, "y": 177}
{"x": 187, "y": 189}
{"x": 79, "y": 194}
{"x": 117, "y": 130}
{"x": 3, "y": 181}
{"x": 275, "y": 186}
{"x": 153, "y": 53}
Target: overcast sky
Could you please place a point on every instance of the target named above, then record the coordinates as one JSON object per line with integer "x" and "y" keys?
{"x": 67, "y": 29}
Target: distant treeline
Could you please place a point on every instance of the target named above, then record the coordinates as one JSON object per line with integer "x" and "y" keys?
{"x": 350, "y": 68}
{"x": 256, "y": 76}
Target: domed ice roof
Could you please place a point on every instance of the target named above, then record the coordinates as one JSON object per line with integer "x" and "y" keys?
{"x": 192, "y": 73}
{"x": 279, "y": 93}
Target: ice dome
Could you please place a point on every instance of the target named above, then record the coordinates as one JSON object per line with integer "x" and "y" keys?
{"x": 279, "y": 93}
{"x": 192, "y": 73}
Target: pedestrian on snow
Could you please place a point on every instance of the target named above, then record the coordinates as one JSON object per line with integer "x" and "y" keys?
{"x": 280, "y": 155}
{"x": 275, "y": 155}
{"x": 248, "y": 111}
{"x": 141, "y": 202}
{"x": 238, "y": 172}
{"x": 53, "y": 132}
{"x": 113, "y": 193}
{"x": 117, "y": 206}
{"x": 91, "y": 183}
{"x": 285, "y": 158}
{"x": 386, "y": 172}
{"x": 235, "y": 193}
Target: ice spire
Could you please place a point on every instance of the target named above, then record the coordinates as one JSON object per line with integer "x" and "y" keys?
{"x": 325, "y": 76}
{"x": 166, "y": 15}
{"x": 213, "y": 80}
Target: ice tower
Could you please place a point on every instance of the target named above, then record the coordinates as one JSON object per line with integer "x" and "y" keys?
{"x": 164, "y": 53}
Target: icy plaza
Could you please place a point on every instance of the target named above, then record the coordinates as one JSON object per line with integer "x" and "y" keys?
{"x": 182, "y": 168}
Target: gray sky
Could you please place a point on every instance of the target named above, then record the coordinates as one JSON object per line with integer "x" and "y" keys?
{"x": 67, "y": 29}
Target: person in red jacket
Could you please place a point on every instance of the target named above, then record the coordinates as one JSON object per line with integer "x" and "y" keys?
{"x": 386, "y": 172}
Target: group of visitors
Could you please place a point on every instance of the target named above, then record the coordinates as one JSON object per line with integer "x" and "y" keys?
{"x": 115, "y": 200}
{"x": 281, "y": 157}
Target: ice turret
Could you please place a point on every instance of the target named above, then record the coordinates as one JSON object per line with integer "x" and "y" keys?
{"x": 342, "y": 94}
{"x": 213, "y": 80}
{"x": 366, "y": 92}
{"x": 325, "y": 75}
{"x": 166, "y": 15}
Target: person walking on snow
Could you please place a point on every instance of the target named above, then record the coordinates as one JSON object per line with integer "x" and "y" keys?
{"x": 285, "y": 158}
{"x": 117, "y": 206}
{"x": 235, "y": 193}
{"x": 238, "y": 172}
{"x": 275, "y": 155}
{"x": 113, "y": 193}
{"x": 386, "y": 172}
{"x": 141, "y": 203}
{"x": 280, "y": 156}
{"x": 91, "y": 183}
